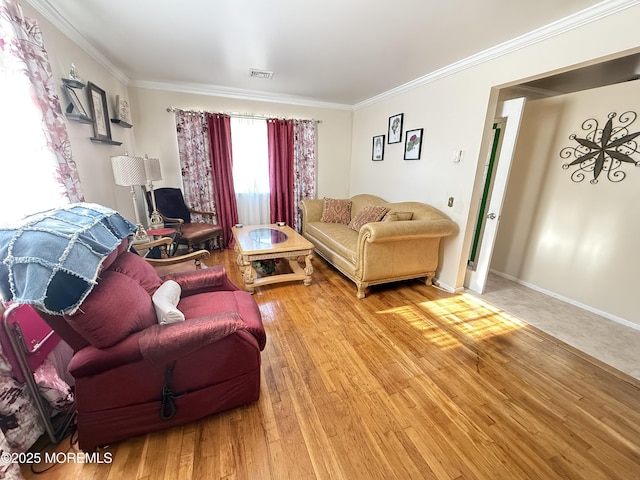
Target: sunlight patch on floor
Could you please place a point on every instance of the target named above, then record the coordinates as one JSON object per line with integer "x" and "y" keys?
{"x": 467, "y": 317}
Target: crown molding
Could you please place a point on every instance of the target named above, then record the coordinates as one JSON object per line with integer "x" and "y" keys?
{"x": 57, "y": 20}
{"x": 227, "y": 92}
{"x": 591, "y": 14}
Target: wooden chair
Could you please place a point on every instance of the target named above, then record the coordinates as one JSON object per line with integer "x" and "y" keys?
{"x": 176, "y": 214}
{"x": 165, "y": 260}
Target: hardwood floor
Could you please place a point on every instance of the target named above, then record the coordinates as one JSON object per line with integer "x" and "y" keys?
{"x": 410, "y": 382}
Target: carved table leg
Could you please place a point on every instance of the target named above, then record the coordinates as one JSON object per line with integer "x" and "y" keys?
{"x": 308, "y": 269}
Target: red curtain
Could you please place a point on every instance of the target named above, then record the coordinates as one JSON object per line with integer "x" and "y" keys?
{"x": 222, "y": 168}
{"x": 281, "y": 175}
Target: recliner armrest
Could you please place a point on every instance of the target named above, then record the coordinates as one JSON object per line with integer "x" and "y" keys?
{"x": 91, "y": 360}
{"x": 166, "y": 343}
{"x": 157, "y": 343}
{"x": 211, "y": 279}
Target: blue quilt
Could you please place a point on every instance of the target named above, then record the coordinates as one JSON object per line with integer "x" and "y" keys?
{"x": 51, "y": 260}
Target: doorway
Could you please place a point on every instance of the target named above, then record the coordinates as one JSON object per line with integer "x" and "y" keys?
{"x": 497, "y": 168}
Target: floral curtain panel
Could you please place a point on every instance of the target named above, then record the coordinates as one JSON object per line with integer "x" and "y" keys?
{"x": 304, "y": 165}
{"x": 21, "y": 39}
{"x": 194, "y": 151}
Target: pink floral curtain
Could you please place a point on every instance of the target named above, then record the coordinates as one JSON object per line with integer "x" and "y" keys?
{"x": 304, "y": 165}
{"x": 194, "y": 150}
{"x": 22, "y": 38}
{"x": 280, "y": 139}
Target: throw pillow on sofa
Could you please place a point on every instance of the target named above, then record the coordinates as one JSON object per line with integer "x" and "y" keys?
{"x": 370, "y": 213}
{"x": 397, "y": 216}
{"x": 336, "y": 210}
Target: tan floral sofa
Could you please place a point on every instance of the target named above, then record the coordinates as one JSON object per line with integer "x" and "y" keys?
{"x": 372, "y": 241}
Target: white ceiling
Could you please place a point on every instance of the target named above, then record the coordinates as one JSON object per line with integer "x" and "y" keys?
{"x": 334, "y": 52}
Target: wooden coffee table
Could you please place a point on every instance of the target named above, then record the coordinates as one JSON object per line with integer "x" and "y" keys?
{"x": 271, "y": 241}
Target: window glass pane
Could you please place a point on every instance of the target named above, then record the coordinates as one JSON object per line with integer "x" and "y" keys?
{"x": 250, "y": 155}
{"x": 28, "y": 182}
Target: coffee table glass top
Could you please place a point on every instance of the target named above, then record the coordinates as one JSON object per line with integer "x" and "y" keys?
{"x": 268, "y": 236}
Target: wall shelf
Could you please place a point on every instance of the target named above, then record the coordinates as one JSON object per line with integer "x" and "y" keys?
{"x": 73, "y": 83}
{"x": 102, "y": 140}
{"x": 78, "y": 117}
{"x": 122, "y": 123}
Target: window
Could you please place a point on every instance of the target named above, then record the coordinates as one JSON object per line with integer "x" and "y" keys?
{"x": 249, "y": 144}
{"x": 28, "y": 176}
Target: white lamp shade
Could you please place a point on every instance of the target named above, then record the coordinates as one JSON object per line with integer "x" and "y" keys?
{"x": 128, "y": 170}
{"x": 152, "y": 169}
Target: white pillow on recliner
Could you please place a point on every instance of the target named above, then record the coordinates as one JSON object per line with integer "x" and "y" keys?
{"x": 165, "y": 301}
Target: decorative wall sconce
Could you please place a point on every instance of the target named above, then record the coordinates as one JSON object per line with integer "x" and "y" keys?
{"x": 603, "y": 149}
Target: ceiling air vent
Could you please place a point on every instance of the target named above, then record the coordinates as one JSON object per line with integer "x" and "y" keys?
{"x": 254, "y": 73}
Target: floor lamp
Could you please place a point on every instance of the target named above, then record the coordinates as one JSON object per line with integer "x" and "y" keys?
{"x": 153, "y": 173}
{"x": 129, "y": 172}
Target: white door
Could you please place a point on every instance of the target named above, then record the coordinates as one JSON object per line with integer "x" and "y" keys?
{"x": 510, "y": 117}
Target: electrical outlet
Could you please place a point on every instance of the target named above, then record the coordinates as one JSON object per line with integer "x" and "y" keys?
{"x": 457, "y": 156}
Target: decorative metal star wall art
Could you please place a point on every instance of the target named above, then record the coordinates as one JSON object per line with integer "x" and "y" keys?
{"x": 604, "y": 149}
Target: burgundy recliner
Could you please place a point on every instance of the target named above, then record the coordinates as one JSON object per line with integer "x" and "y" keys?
{"x": 134, "y": 375}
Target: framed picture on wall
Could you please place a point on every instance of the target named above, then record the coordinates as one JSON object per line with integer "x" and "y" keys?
{"x": 394, "y": 135}
{"x": 413, "y": 144}
{"x": 378, "y": 148}
{"x": 99, "y": 112}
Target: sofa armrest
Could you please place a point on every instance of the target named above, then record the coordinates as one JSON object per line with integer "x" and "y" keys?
{"x": 311, "y": 211}
{"x": 380, "y": 232}
{"x": 210, "y": 279}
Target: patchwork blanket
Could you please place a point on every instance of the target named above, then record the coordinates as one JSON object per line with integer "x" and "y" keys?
{"x": 51, "y": 259}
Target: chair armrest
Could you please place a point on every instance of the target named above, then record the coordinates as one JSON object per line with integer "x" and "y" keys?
{"x": 172, "y": 220}
{"x": 202, "y": 212}
{"x": 213, "y": 216}
{"x": 166, "y": 260}
{"x": 152, "y": 243}
{"x": 166, "y": 343}
{"x": 195, "y": 256}
{"x": 160, "y": 242}
{"x": 210, "y": 279}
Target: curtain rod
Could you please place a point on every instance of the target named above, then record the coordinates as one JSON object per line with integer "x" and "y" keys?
{"x": 238, "y": 115}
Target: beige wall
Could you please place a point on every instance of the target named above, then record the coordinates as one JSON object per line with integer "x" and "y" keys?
{"x": 577, "y": 240}
{"x": 456, "y": 112}
{"x": 155, "y": 132}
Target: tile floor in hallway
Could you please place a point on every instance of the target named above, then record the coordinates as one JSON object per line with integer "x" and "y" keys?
{"x": 608, "y": 341}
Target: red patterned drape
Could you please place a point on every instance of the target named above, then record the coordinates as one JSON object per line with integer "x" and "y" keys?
{"x": 222, "y": 167}
{"x": 281, "y": 177}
